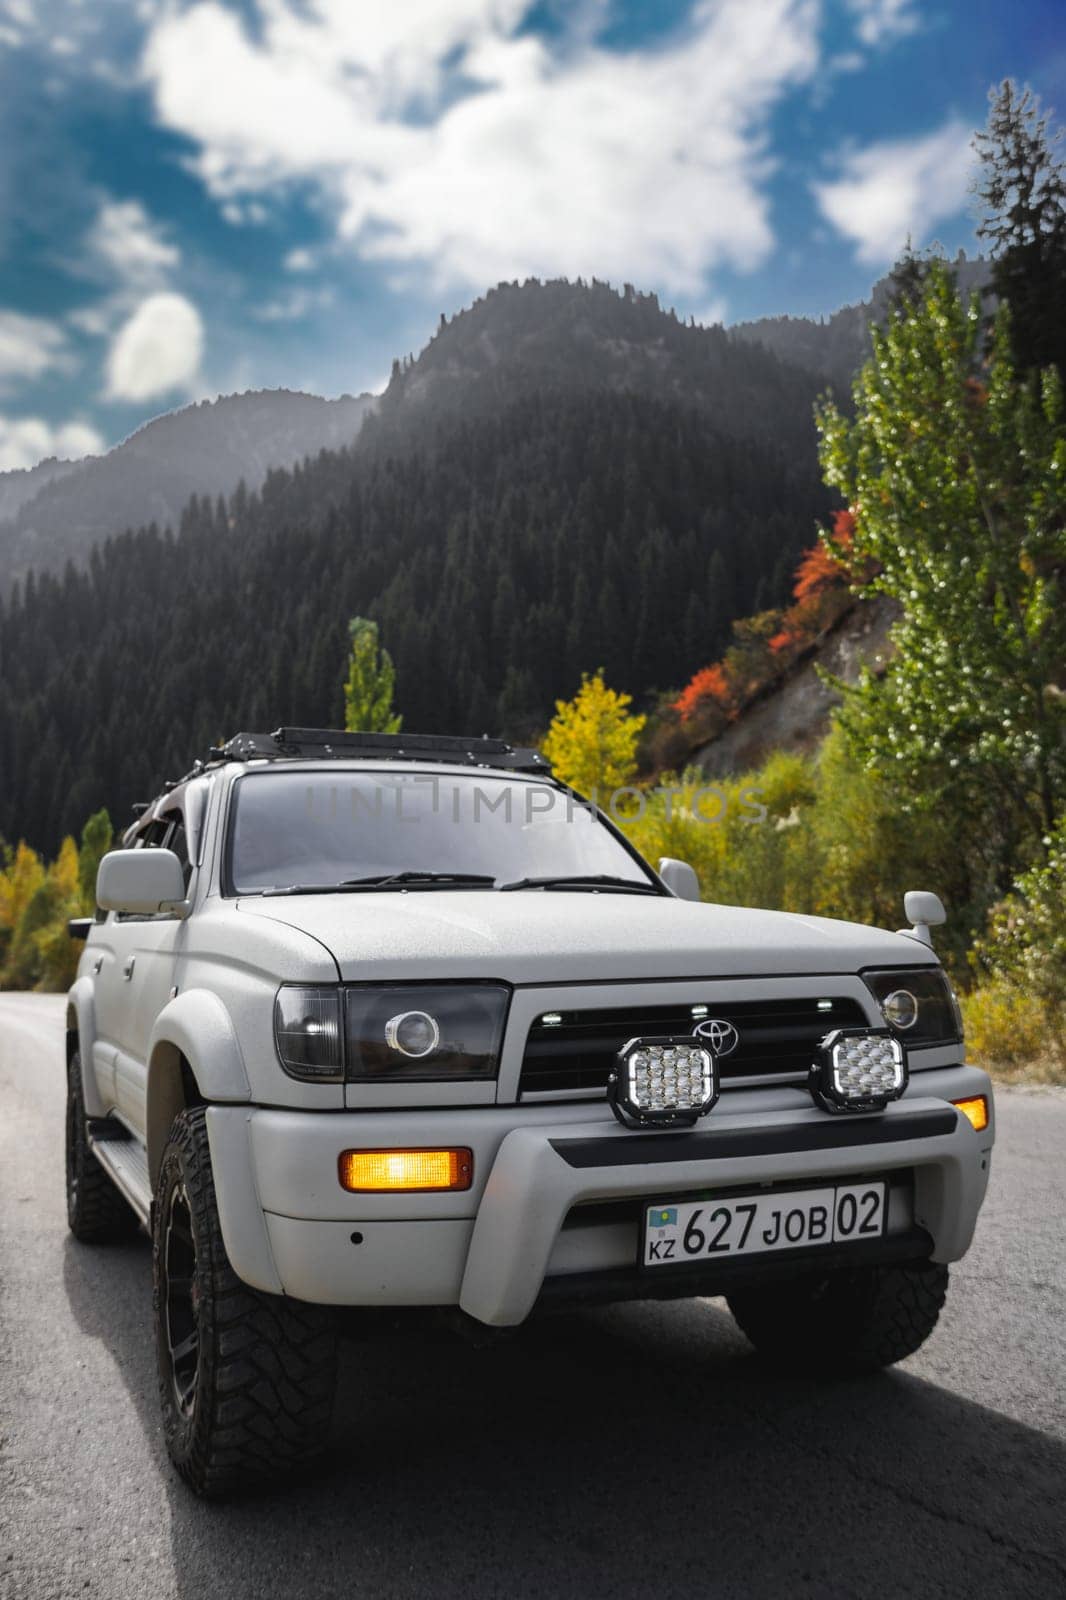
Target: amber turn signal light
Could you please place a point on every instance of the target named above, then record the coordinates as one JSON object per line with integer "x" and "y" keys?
{"x": 397, "y": 1171}
{"x": 975, "y": 1111}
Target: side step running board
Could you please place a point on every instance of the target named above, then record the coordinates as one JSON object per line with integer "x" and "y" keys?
{"x": 126, "y": 1163}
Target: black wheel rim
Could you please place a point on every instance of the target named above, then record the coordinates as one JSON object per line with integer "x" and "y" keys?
{"x": 73, "y": 1118}
{"x": 181, "y": 1324}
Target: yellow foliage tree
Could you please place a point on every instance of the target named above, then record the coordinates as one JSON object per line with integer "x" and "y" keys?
{"x": 35, "y": 901}
{"x": 592, "y": 741}
{"x": 64, "y": 871}
{"x": 57, "y": 954}
{"x": 19, "y": 882}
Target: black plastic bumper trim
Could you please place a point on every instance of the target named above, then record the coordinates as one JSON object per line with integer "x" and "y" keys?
{"x": 835, "y": 1133}
{"x": 722, "y": 1277}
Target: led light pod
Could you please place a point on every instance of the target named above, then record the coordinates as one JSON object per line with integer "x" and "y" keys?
{"x": 858, "y": 1069}
{"x": 663, "y": 1082}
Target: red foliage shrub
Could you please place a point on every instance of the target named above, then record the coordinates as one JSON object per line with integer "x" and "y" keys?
{"x": 844, "y": 529}
{"x": 709, "y": 685}
{"x": 817, "y": 571}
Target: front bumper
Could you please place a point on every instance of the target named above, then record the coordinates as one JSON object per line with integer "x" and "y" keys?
{"x": 548, "y": 1214}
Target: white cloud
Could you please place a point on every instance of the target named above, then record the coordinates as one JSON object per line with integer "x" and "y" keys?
{"x": 17, "y": 13}
{"x": 129, "y": 245}
{"x": 712, "y": 315}
{"x": 26, "y": 440}
{"x": 901, "y": 187}
{"x": 879, "y": 22}
{"x": 157, "y": 350}
{"x": 443, "y": 137}
{"x": 294, "y": 305}
{"x": 846, "y": 61}
{"x": 130, "y": 256}
{"x": 251, "y": 214}
{"x": 59, "y": 26}
{"x": 30, "y": 347}
{"x": 299, "y": 261}
{"x": 95, "y": 321}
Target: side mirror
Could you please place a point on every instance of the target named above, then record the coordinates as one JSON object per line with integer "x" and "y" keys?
{"x": 679, "y": 878}
{"x": 923, "y": 911}
{"x": 79, "y": 927}
{"x": 141, "y": 882}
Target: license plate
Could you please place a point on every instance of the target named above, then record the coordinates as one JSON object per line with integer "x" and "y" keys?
{"x": 747, "y": 1224}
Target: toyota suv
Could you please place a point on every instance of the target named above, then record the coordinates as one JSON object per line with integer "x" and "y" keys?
{"x": 384, "y": 1021}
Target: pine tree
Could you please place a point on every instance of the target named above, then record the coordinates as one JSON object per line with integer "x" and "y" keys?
{"x": 1022, "y": 187}
{"x": 95, "y": 843}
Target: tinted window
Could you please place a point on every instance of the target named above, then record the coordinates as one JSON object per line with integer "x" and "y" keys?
{"x": 321, "y": 828}
{"x": 152, "y": 836}
{"x": 177, "y": 841}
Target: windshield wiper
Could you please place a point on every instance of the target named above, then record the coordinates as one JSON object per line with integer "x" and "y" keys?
{"x": 584, "y": 880}
{"x": 382, "y": 880}
{"x": 460, "y": 880}
{"x": 388, "y": 880}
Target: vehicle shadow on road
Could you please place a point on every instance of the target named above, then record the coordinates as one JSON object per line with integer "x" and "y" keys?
{"x": 632, "y": 1451}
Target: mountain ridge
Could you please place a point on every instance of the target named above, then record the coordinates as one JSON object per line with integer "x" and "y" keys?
{"x": 208, "y": 447}
{"x": 515, "y": 339}
{"x": 518, "y": 510}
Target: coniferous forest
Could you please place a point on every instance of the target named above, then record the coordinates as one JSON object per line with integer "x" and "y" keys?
{"x": 508, "y": 526}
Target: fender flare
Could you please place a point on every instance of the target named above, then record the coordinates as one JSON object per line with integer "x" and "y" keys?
{"x": 195, "y": 1028}
{"x": 199, "y": 1026}
{"x": 81, "y": 1023}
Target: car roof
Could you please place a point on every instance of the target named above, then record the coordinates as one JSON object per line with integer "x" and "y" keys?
{"x": 320, "y": 749}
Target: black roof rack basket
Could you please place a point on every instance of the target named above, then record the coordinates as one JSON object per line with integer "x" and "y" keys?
{"x": 334, "y": 744}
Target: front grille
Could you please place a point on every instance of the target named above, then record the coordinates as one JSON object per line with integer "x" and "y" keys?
{"x": 776, "y": 1037}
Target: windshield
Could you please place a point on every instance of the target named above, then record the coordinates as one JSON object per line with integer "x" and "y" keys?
{"x": 323, "y": 829}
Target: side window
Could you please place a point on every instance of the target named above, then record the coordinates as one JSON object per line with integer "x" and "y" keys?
{"x": 153, "y": 836}
{"x": 164, "y": 833}
{"x": 177, "y": 840}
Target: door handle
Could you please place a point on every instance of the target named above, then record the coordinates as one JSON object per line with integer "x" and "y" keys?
{"x": 98, "y": 964}
{"x": 127, "y": 970}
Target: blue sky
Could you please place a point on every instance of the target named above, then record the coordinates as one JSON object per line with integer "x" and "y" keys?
{"x": 203, "y": 197}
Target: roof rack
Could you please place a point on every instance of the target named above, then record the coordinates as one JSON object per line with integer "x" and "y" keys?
{"x": 294, "y": 744}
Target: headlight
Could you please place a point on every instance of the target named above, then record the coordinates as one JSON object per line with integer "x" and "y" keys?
{"x": 307, "y": 1031}
{"x": 386, "y": 1032}
{"x": 918, "y": 1004}
{"x": 401, "y": 1031}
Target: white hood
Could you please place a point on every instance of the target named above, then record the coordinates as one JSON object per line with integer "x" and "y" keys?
{"x": 559, "y": 936}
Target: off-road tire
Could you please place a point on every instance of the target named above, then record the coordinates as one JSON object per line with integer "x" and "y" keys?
{"x": 853, "y": 1320}
{"x": 254, "y": 1399}
{"x": 96, "y": 1212}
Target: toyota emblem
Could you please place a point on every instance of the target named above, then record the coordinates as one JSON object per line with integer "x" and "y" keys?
{"x": 721, "y": 1035}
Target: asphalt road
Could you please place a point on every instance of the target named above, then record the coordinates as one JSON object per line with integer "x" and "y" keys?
{"x": 636, "y": 1451}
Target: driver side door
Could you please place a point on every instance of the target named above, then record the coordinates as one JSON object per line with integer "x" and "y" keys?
{"x": 147, "y": 967}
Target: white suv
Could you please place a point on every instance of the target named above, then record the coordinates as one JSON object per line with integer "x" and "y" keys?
{"x": 381, "y": 1021}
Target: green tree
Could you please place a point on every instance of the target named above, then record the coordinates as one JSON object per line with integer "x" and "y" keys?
{"x": 1022, "y": 189}
{"x": 371, "y": 675}
{"x": 958, "y": 485}
{"x": 1025, "y": 945}
{"x": 95, "y": 843}
{"x": 906, "y": 281}
{"x": 592, "y": 741}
